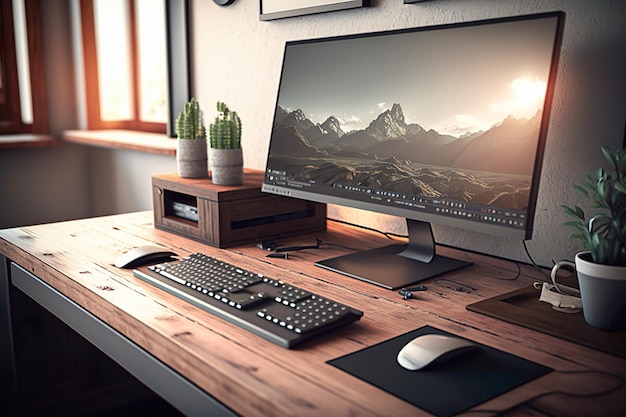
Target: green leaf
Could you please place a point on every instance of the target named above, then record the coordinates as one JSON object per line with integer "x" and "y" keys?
{"x": 619, "y": 186}
{"x": 574, "y": 223}
{"x": 581, "y": 190}
{"x": 599, "y": 220}
{"x": 569, "y": 211}
{"x": 575, "y": 212}
{"x": 613, "y": 254}
{"x": 613, "y": 158}
{"x": 573, "y": 235}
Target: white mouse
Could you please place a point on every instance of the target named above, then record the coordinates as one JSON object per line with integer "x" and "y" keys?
{"x": 430, "y": 348}
{"x": 143, "y": 255}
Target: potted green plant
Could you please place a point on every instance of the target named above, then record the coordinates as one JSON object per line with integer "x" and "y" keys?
{"x": 601, "y": 268}
{"x": 226, "y": 156}
{"x": 191, "y": 145}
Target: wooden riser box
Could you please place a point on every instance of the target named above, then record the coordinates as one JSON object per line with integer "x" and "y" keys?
{"x": 224, "y": 216}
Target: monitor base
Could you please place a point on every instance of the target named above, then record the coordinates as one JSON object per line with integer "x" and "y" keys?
{"x": 388, "y": 268}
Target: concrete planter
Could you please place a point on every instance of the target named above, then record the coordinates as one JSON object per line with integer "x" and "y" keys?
{"x": 191, "y": 158}
{"x": 226, "y": 166}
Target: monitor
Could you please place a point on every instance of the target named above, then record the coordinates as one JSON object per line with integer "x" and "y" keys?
{"x": 442, "y": 124}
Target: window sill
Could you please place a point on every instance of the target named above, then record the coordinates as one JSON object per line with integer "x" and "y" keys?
{"x": 26, "y": 141}
{"x": 124, "y": 139}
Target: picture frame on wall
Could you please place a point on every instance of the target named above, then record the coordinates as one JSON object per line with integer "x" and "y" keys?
{"x": 278, "y": 9}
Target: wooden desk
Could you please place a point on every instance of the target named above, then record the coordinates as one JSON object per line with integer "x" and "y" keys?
{"x": 185, "y": 354}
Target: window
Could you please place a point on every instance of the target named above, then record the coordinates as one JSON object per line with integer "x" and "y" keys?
{"x": 22, "y": 84}
{"x": 132, "y": 79}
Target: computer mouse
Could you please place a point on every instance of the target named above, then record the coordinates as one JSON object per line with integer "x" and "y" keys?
{"x": 430, "y": 349}
{"x": 143, "y": 255}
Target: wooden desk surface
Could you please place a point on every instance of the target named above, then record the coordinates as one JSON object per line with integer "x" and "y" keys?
{"x": 255, "y": 377}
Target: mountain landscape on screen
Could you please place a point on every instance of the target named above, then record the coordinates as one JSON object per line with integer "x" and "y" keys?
{"x": 488, "y": 167}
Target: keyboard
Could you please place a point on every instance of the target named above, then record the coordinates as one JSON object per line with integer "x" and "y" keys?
{"x": 279, "y": 312}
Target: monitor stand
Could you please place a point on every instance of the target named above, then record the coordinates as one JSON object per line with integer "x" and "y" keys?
{"x": 397, "y": 266}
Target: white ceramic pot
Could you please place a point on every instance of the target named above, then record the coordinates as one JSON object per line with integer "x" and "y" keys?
{"x": 603, "y": 293}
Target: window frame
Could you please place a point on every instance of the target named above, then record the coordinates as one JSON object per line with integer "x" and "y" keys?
{"x": 11, "y": 122}
{"x": 177, "y": 56}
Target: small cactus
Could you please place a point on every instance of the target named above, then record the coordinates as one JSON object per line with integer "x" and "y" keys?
{"x": 225, "y": 133}
{"x": 189, "y": 123}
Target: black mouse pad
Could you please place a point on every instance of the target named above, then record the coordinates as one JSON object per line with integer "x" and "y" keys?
{"x": 442, "y": 389}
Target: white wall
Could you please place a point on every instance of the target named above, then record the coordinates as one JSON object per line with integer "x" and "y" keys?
{"x": 41, "y": 185}
{"x": 121, "y": 180}
{"x": 237, "y": 59}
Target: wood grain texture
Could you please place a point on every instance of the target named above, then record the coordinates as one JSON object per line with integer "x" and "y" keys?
{"x": 255, "y": 377}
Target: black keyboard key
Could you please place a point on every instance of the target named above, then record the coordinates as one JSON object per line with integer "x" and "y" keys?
{"x": 244, "y": 300}
{"x": 289, "y": 295}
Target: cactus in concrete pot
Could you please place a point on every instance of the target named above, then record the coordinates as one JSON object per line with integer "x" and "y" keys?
{"x": 226, "y": 156}
{"x": 189, "y": 123}
{"x": 225, "y": 132}
{"x": 191, "y": 145}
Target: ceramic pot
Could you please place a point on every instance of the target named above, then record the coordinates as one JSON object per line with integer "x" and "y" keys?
{"x": 226, "y": 166}
{"x": 603, "y": 293}
{"x": 191, "y": 158}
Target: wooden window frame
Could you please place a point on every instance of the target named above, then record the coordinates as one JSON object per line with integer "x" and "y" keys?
{"x": 177, "y": 41}
{"x": 10, "y": 107}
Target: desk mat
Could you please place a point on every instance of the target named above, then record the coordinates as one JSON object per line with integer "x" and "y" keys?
{"x": 444, "y": 389}
{"x": 521, "y": 307}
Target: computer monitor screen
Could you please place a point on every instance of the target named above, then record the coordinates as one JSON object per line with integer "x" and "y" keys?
{"x": 442, "y": 124}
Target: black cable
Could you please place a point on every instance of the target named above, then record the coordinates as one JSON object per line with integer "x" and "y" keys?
{"x": 337, "y": 245}
{"x": 458, "y": 286}
{"x": 388, "y": 235}
{"x": 516, "y": 276}
{"x": 299, "y": 247}
{"x": 319, "y": 244}
{"x": 532, "y": 261}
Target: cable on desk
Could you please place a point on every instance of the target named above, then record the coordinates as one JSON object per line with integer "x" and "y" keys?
{"x": 338, "y": 245}
{"x": 514, "y": 277}
{"x": 457, "y": 286}
{"x": 388, "y": 235}
{"x": 528, "y": 403}
{"x": 271, "y": 246}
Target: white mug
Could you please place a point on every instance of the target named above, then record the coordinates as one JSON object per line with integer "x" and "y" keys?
{"x": 564, "y": 289}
